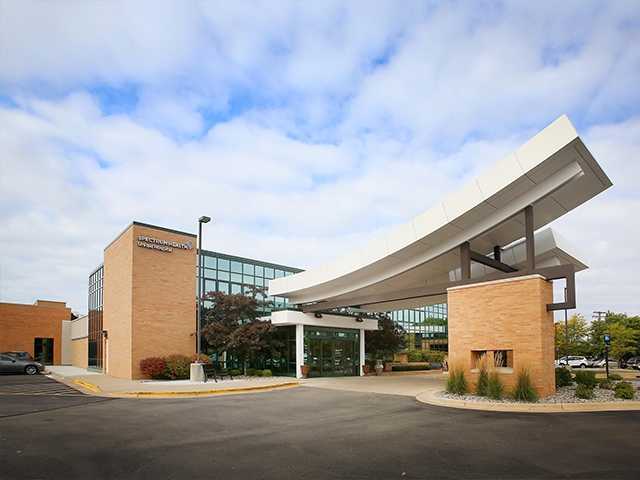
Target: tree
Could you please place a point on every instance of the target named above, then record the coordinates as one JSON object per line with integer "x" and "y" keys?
{"x": 577, "y": 342}
{"x": 387, "y": 340}
{"x": 232, "y": 325}
{"x": 624, "y": 332}
{"x": 253, "y": 338}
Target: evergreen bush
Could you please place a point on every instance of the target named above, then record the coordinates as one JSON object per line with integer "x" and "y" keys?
{"x": 588, "y": 379}
{"x": 615, "y": 377}
{"x": 267, "y": 373}
{"x": 583, "y": 391}
{"x": 563, "y": 377}
{"x": 624, "y": 390}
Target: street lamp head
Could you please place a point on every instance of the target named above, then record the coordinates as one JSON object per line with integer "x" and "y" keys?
{"x": 204, "y": 219}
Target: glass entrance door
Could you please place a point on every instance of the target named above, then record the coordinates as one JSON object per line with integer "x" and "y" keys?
{"x": 332, "y": 353}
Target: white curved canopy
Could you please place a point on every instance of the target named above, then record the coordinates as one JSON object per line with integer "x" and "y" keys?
{"x": 554, "y": 172}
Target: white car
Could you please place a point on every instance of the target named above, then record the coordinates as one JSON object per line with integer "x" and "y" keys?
{"x": 574, "y": 361}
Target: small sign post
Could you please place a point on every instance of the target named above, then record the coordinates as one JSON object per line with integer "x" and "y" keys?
{"x": 607, "y": 342}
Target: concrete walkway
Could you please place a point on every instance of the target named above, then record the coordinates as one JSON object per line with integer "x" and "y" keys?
{"x": 68, "y": 371}
{"x": 425, "y": 387}
{"x": 105, "y": 385}
{"x": 408, "y": 384}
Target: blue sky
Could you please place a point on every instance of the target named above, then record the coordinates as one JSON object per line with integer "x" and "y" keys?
{"x": 303, "y": 128}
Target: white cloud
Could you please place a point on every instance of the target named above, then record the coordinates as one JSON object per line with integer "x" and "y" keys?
{"x": 303, "y": 130}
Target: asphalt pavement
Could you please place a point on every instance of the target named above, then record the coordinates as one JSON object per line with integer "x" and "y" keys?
{"x": 302, "y": 433}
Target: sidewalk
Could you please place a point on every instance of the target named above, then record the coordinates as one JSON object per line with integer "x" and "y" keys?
{"x": 105, "y": 385}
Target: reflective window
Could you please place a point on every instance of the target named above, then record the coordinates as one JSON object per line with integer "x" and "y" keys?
{"x": 223, "y": 287}
{"x": 279, "y": 274}
{"x": 223, "y": 275}
{"x": 248, "y": 279}
{"x": 247, "y": 269}
{"x": 236, "y": 266}
{"x": 268, "y": 272}
{"x": 235, "y": 288}
{"x": 223, "y": 264}
{"x": 210, "y": 262}
{"x": 236, "y": 277}
{"x": 259, "y": 271}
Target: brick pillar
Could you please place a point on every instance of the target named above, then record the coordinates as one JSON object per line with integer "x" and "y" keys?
{"x": 505, "y": 315}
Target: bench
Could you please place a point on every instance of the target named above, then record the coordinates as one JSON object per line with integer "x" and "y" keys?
{"x": 212, "y": 371}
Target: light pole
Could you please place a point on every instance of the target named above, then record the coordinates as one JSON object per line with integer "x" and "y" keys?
{"x": 201, "y": 220}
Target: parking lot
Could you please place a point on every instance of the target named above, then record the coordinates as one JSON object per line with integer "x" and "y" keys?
{"x": 303, "y": 432}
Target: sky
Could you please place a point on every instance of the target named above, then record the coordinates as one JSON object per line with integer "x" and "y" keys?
{"x": 302, "y": 128}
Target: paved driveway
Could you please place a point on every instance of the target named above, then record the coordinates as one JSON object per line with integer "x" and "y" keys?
{"x": 409, "y": 384}
{"x": 309, "y": 433}
{"x": 24, "y": 394}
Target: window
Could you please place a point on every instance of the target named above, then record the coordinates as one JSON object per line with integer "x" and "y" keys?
{"x": 236, "y": 277}
{"x": 209, "y": 286}
{"x": 247, "y": 269}
{"x": 268, "y": 272}
{"x": 236, "y": 267}
{"x": 279, "y": 274}
{"x": 223, "y": 276}
{"x": 223, "y": 287}
{"x": 223, "y": 264}
{"x": 248, "y": 280}
{"x": 259, "y": 271}
{"x": 260, "y": 281}
{"x": 500, "y": 359}
{"x": 235, "y": 288}
{"x": 210, "y": 262}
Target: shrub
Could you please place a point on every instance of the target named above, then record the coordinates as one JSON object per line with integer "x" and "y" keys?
{"x": 615, "y": 376}
{"x": 202, "y": 358}
{"x": 482, "y": 388}
{"x": 408, "y": 368}
{"x": 258, "y": 373}
{"x": 234, "y": 372}
{"x": 563, "y": 377}
{"x": 414, "y": 356}
{"x": 524, "y": 391}
{"x": 456, "y": 383}
{"x": 583, "y": 391}
{"x": 433, "y": 357}
{"x": 494, "y": 386}
{"x": 605, "y": 384}
{"x": 251, "y": 372}
{"x": 624, "y": 390}
{"x": 177, "y": 367}
{"x": 588, "y": 379}
{"x": 267, "y": 373}
{"x": 153, "y": 367}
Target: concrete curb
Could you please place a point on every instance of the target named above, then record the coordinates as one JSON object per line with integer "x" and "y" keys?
{"x": 199, "y": 393}
{"x": 429, "y": 397}
{"x": 89, "y": 386}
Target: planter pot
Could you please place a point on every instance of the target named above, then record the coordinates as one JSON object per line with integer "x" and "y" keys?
{"x": 388, "y": 366}
{"x": 305, "y": 371}
{"x": 365, "y": 369}
{"x": 379, "y": 367}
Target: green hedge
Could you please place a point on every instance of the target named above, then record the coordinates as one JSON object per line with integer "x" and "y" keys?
{"x": 583, "y": 391}
{"x": 407, "y": 367}
{"x": 563, "y": 377}
{"x": 624, "y": 390}
{"x": 588, "y": 379}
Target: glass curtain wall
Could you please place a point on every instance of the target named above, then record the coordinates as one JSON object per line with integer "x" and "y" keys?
{"x": 96, "y": 287}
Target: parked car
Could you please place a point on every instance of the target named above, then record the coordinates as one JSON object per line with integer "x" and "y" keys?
{"x": 19, "y": 355}
{"x": 574, "y": 361}
{"x": 11, "y": 364}
{"x": 600, "y": 363}
{"x": 634, "y": 362}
